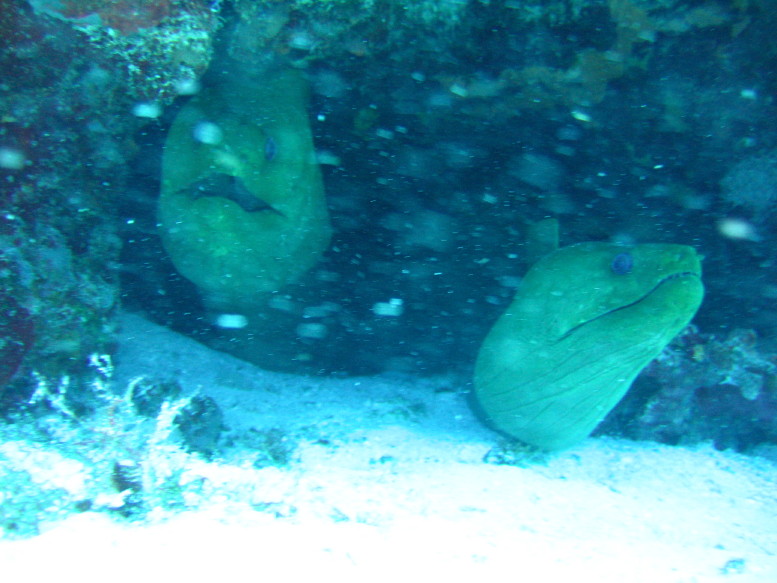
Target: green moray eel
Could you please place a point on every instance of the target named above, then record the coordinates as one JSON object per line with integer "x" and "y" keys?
{"x": 242, "y": 209}
{"x": 585, "y": 321}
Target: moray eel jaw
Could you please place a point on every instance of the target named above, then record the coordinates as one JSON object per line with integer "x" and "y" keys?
{"x": 578, "y": 333}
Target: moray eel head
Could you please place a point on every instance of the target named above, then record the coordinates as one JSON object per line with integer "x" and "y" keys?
{"x": 242, "y": 209}
{"x": 584, "y": 322}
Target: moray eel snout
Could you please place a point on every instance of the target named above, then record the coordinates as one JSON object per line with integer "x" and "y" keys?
{"x": 578, "y": 332}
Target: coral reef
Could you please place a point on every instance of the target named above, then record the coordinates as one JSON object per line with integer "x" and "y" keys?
{"x": 445, "y": 129}
{"x": 126, "y": 455}
{"x": 752, "y": 185}
{"x": 75, "y": 90}
{"x": 704, "y": 388}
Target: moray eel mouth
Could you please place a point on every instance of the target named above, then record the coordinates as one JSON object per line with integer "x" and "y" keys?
{"x": 674, "y": 277}
{"x": 228, "y": 187}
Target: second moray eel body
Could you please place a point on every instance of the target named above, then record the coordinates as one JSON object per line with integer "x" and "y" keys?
{"x": 585, "y": 321}
{"x": 242, "y": 209}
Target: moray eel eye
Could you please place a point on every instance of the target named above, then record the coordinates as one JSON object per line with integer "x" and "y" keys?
{"x": 622, "y": 264}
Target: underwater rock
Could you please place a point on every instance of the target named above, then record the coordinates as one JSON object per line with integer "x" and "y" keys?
{"x": 16, "y": 338}
{"x": 703, "y": 388}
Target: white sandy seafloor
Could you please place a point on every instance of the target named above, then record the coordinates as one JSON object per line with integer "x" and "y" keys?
{"x": 386, "y": 478}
